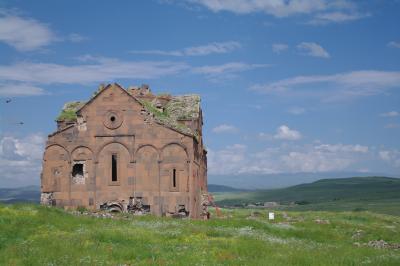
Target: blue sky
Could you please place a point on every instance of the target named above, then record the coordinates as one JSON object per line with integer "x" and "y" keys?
{"x": 287, "y": 86}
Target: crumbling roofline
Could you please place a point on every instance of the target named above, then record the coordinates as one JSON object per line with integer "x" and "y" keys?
{"x": 61, "y": 130}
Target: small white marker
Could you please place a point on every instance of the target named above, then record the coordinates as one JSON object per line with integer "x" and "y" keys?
{"x": 271, "y": 216}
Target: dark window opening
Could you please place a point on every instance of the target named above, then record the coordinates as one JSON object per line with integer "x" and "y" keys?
{"x": 174, "y": 178}
{"x": 77, "y": 169}
{"x": 112, "y": 118}
{"x": 114, "y": 172}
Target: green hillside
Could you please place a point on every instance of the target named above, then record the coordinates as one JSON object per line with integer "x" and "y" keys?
{"x": 37, "y": 235}
{"x": 380, "y": 194}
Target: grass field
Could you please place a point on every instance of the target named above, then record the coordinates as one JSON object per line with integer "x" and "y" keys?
{"x": 36, "y": 235}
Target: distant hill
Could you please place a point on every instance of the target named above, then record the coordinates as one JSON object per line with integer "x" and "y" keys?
{"x": 272, "y": 181}
{"x": 21, "y": 194}
{"x": 222, "y": 188}
{"x": 369, "y": 193}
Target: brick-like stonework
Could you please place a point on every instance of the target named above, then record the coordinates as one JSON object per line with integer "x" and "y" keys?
{"x": 160, "y": 161}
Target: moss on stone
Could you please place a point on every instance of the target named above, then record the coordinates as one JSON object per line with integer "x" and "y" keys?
{"x": 68, "y": 112}
{"x": 165, "y": 118}
{"x": 184, "y": 107}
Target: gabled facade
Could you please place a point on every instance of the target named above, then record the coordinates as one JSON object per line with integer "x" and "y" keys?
{"x": 128, "y": 150}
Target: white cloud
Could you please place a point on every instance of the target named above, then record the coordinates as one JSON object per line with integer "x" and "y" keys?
{"x": 211, "y": 48}
{"x": 225, "y": 161}
{"x": 337, "y": 17}
{"x": 24, "y": 34}
{"x": 15, "y": 89}
{"x": 309, "y": 158}
{"x": 264, "y": 136}
{"x": 227, "y": 68}
{"x": 390, "y": 114}
{"x": 313, "y": 49}
{"x": 96, "y": 69}
{"x": 278, "y": 8}
{"x": 218, "y": 73}
{"x": 394, "y": 44}
{"x": 279, "y": 47}
{"x": 21, "y": 159}
{"x": 224, "y": 128}
{"x": 390, "y": 156}
{"x": 323, "y": 11}
{"x": 285, "y": 133}
{"x": 75, "y": 37}
{"x": 335, "y": 87}
{"x": 26, "y": 76}
{"x": 297, "y": 110}
{"x": 342, "y": 148}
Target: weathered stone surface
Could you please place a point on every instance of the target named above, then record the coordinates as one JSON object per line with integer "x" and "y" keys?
{"x": 131, "y": 151}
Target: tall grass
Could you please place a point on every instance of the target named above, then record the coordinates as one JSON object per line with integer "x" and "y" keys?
{"x": 36, "y": 235}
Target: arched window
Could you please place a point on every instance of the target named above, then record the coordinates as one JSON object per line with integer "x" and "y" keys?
{"x": 114, "y": 167}
{"x": 174, "y": 178}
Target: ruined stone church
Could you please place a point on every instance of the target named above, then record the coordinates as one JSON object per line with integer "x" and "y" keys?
{"x": 128, "y": 150}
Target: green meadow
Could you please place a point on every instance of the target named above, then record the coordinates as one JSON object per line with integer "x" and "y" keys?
{"x": 31, "y": 234}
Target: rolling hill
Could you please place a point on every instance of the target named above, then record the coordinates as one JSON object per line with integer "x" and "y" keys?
{"x": 222, "y": 188}
{"x": 21, "y": 194}
{"x": 380, "y": 194}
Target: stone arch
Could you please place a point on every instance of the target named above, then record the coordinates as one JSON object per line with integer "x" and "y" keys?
{"x": 147, "y": 170}
{"x": 104, "y": 165}
{"x": 62, "y": 147}
{"x": 178, "y": 147}
{"x": 82, "y": 166}
{"x": 96, "y": 157}
{"x": 55, "y": 168}
{"x": 81, "y": 147}
{"x": 174, "y": 169}
{"x": 147, "y": 145}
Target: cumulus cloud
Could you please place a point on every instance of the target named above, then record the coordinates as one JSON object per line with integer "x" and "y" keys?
{"x": 28, "y": 34}
{"x": 228, "y": 158}
{"x": 279, "y": 47}
{"x": 390, "y": 114}
{"x": 20, "y": 159}
{"x": 335, "y": 87}
{"x": 224, "y": 128}
{"x": 312, "y": 49}
{"x": 24, "y": 34}
{"x": 285, "y": 133}
{"x": 315, "y": 158}
{"x": 391, "y": 157}
{"x": 211, "y": 48}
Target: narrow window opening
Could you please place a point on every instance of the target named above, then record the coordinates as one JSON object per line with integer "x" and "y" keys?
{"x": 174, "y": 178}
{"x": 77, "y": 170}
{"x": 114, "y": 173}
